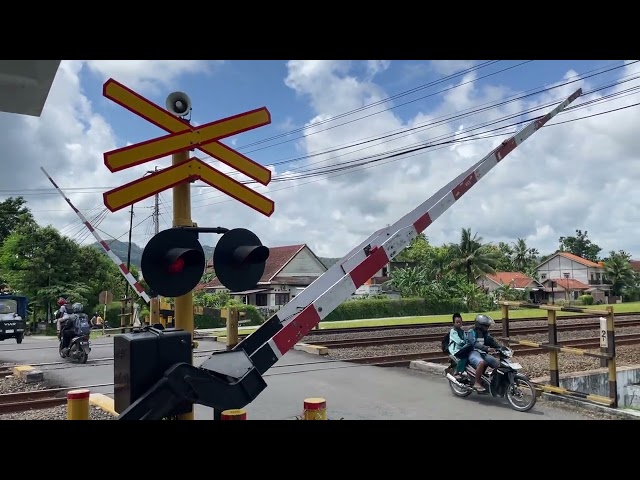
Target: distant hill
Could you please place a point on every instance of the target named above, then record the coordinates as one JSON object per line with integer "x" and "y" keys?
{"x": 328, "y": 262}
{"x": 120, "y": 249}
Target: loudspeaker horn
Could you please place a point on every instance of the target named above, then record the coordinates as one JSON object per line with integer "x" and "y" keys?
{"x": 178, "y": 104}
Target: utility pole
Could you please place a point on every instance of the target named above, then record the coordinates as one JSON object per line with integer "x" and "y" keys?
{"x": 179, "y": 104}
{"x": 125, "y": 302}
{"x": 155, "y": 301}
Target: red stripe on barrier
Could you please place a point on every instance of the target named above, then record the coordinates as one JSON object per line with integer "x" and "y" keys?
{"x": 376, "y": 260}
{"x": 294, "y": 331}
{"x": 422, "y": 223}
{"x": 464, "y": 186}
{"x": 505, "y": 149}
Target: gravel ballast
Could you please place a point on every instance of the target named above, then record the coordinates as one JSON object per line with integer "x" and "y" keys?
{"x": 56, "y": 413}
{"x": 12, "y": 384}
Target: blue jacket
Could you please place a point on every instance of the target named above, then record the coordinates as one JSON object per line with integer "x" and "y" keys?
{"x": 457, "y": 340}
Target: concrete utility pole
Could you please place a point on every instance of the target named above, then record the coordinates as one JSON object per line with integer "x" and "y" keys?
{"x": 155, "y": 302}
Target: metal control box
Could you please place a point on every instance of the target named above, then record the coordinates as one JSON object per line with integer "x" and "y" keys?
{"x": 142, "y": 358}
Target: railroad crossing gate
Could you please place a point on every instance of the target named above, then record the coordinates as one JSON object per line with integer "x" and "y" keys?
{"x": 183, "y": 136}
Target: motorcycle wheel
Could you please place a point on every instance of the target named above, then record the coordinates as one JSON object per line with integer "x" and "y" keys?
{"x": 527, "y": 386}
{"x": 459, "y": 392}
{"x": 84, "y": 357}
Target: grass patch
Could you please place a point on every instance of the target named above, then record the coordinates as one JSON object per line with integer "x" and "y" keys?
{"x": 618, "y": 308}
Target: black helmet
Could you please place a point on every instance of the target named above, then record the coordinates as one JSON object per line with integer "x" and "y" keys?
{"x": 484, "y": 320}
{"x": 77, "y": 307}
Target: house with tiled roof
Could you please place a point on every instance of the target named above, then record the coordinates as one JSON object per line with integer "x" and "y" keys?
{"x": 566, "y": 276}
{"x": 517, "y": 280}
{"x": 288, "y": 270}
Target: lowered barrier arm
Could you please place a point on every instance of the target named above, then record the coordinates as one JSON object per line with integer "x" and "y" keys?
{"x": 607, "y": 343}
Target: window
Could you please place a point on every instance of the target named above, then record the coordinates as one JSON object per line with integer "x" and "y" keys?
{"x": 282, "y": 298}
{"x": 8, "y": 306}
{"x": 261, "y": 299}
{"x": 566, "y": 275}
{"x": 543, "y": 276}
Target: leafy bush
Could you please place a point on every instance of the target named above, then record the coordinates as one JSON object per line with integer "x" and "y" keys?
{"x": 383, "y": 308}
{"x": 586, "y": 299}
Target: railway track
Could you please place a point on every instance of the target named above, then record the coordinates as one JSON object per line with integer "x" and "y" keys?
{"x": 436, "y": 337}
{"x": 338, "y": 331}
{"x": 403, "y": 360}
{"x": 37, "y": 399}
{"x": 334, "y": 331}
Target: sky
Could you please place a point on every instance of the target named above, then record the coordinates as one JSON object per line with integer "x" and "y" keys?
{"x": 580, "y": 174}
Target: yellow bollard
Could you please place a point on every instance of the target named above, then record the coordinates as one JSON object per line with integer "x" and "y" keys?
{"x": 78, "y": 404}
{"x": 315, "y": 409}
{"x": 234, "y": 414}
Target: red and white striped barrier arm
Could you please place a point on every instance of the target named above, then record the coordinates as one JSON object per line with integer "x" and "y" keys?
{"x": 114, "y": 258}
{"x": 294, "y": 320}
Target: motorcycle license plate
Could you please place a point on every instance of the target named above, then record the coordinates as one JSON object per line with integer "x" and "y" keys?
{"x": 516, "y": 366}
{"x": 9, "y": 331}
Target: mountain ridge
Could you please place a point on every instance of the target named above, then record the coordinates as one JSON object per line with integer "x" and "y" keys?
{"x": 120, "y": 249}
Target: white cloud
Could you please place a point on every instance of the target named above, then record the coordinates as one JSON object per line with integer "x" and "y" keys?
{"x": 577, "y": 175}
{"x": 448, "y": 67}
{"x": 548, "y": 187}
{"x": 147, "y": 75}
{"x": 69, "y": 140}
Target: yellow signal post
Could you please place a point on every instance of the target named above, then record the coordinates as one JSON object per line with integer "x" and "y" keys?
{"x": 155, "y": 311}
{"x": 233, "y": 317}
{"x": 183, "y": 310}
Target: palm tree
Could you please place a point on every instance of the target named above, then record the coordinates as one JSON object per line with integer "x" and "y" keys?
{"x": 471, "y": 257}
{"x": 619, "y": 271}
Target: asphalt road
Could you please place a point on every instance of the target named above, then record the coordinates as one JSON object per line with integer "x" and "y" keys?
{"x": 353, "y": 392}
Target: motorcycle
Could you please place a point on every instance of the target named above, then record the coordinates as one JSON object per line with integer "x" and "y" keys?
{"x": 79, "y": 347}
{"x": 506, "y": 380}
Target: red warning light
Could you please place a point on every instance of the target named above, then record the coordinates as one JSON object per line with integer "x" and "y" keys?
{"x": 177, "y": 266}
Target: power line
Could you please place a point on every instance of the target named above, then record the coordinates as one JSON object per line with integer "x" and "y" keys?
{"x": 440, "y": 120}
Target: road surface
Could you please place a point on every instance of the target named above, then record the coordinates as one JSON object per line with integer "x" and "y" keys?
{"x": 353, "y": 392}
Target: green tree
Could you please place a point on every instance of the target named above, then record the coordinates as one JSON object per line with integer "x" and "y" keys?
{"x": 417, "y": 251}
{"x": 619, "y": 271}
{"x": 580, "y": 245}
{"x": 472, "y": 258}
{"x": 14, "y": 214}
{"x": 42, "y": 264}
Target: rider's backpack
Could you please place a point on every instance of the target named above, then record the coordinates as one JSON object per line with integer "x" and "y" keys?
{"x": 82, "y": 326}
{"x": 445, "y": 343}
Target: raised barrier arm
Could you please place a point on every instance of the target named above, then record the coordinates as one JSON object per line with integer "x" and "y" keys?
{"x": 114, "y": 258}
{"x": 294, "y": 320}
{"x": 235, "y": 376}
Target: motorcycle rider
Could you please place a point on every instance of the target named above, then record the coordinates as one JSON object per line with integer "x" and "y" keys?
{"x": 61, "y": 315}
{"x": 459, "y": 346}
{"x": 484, "y": 345}
{"x": 69, "y": 327}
